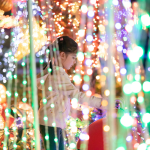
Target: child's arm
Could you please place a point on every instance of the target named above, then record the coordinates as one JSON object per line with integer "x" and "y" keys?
{"x": 73, "y": 92}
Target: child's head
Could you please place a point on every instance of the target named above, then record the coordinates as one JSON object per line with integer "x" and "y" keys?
{"x": 67, "y": 51}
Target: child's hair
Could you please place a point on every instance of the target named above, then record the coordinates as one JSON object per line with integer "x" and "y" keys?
{"x": 62, "y": 44}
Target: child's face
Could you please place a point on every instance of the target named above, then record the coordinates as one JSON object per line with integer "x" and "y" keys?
{"x": 68, "y": 60}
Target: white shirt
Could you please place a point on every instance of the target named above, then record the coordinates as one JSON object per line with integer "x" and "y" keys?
{"x": 61, "y": 92}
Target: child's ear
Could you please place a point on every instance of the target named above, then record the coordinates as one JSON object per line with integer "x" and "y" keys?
{"x": 62, "y": 55}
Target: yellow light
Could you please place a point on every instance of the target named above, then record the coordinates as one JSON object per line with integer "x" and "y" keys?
{"x": 107, "y": 92}
{"x": 105, "y": 69}
{"x": 104, "y": 103}
{"x": 106, "y": 128}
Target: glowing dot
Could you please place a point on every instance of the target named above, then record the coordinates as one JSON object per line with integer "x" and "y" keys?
{"x": 82, "y": 136}
{"x": 56, "y": 140}
{"x": 106, "y": 128}
{"x": 80, "y": 56}
{"x": 89, "y": 71}
{"x": 148, "y": 141}
{"x": 85, "y": 87}
{"x": 133, "y": 99}
{"x": 91, "y": 48}
{"x": 46, "y": 137}
{"x": 120, "y": 148}
{"x": 145, "y": 20}
{"x": 52, "y": 105}
{"x": 81, "y": 33}
{"x": 136, "y": 87}
{"x": 73, "y": 123}
{"x": 53, "y": 124}
{"x": 138, "y": 50}
{"x": 142, "y": 146}
{"x": 93, "y": 2}
{"x": 129, "y": 138}
{"x": 127, "y": 88}
{"x": 146, "y": 118}
{"x": 85, "y": 111}
{"x": 128, "y": 28}
{"x": 140, "y": 99}
{"x": 104, "y": 103}
{"x": 89, "y": 93}
{"x": 126, "y": 3}
{"x": 126, "y": 120}
{"x": 105, "y": 69}
{"x": 89, "y": 38}
{"x": 133, "y": 56}
{"x": 115, "y": 2}
{"x": 50, "y": 88}
{"x": 123, "y": 71}
{"x": 87, "y": 137}
{"x": 119, "y": 48}
{"x": 85, "y": 117}
{"x": 146, "y": 86}
{"x": 84, "y": 8}
{"x": 90, "y": 12}
{"x": 118, "y": 26}
{"x": 136, "y": 145}
{"x": 137, "y": 77}
{"x": 107, "y": 92}
{"x": 88, "y": 62}
{"x": 76, "y": 78}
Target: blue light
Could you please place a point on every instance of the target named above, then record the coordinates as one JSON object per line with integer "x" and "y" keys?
{"x": 118, "y": 26}
{"x": 123, "y": 71}
{"x": 119, "y": 48}
{"x": 85, "y": 87}
{"x": 91, "y": 13}
{"x": 89, "y": 38}
{"x": 88, "y": 62}
{"x": 129, "y": 138}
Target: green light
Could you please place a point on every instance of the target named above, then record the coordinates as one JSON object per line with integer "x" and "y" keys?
{"x": 120, "y": 148}
{"x": 52, "y": 105}
{"x": 80, "y": 56}
{"x": 76, "y": 78}
{"x": 140, "y": 99}
{"x": 127, "y": 88}
{"x": 24, "y": 26}
{"x": 15, "y": 145}
{"x": 86, "y": 78}
{"x": 15, "y": 76}
{"x": 133, "y": 56}
{"x": 125, "y": 38}
{"x": 149, "y": 54}
{"x": 12, "y": 33}
{"x": 138, "y": 51}
{"x": 145, "y": 19}
{"x": 50, "y": 88}
{"x": 14, "y": 110}
{"x": 41, "y": 61}
{"x": 24, "y": 139}
{"x": 88, "y": 54}
{"x": 46, "y": 137}
{"x": 74, "y": 100}
{"x": 54, "y": 49}
{"x": 53, "y": 124}
{"x": 136, "y": 87}
{"x": 44, "y": 101}
{"x": 146, "y": 86}
{"x": 47, "y": 51}
{"x": 4, "y": 148}
{"x": 24, "y": 118}
{"x": 24, "y": 82}
{"x": 14, "y": 128}
{"x": 142, "y": 146}
{"x": 45, "y": 118}
{"x": 146, "y": 118}
{"x": 8, "y": 93}
{"x": 126, "y": 120}
{"x": 49, "y": 70}
{"x": 42, "y": 81}
{"x": 72, "y": 145}
{"x": 24, "y": 99}
{"x": 23, "y": 64}
{"x": 10, "y": 53}
{"x": 56, "y": 140}
{"x": 137, "y": 77}
{"x": 16, "y": 94}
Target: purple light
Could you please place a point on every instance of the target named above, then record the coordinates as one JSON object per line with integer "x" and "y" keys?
{"x": 123, "y": 71}
{"x": 118, "y": 26}
{"x": 85, "y": 87}
{"x": 88, "y": 62}
{"x": 119, "y": 48}
{"x": 91, "y": 13}
{"x": 148, "y": 68}
{"x": 129, "y": 138}
{"x": 89, "y": 38}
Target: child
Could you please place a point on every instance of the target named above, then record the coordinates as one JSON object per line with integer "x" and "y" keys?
{"x": 61, "y": 98}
